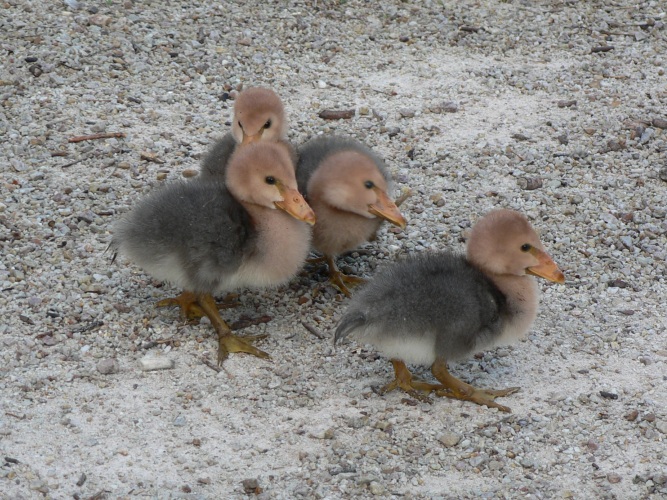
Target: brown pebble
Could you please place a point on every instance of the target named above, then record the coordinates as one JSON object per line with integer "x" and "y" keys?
{"x": 632, "y": 416}
{"x": 302, "y": 300}
{"x": 99, "y": 20}
{"x": 190, "y": 172}
{"x": 251, "y": 486}
{"x": 121, "y": 307}
{"x": 151, "y": 157}
{"x": 649, "y": 417}
{"x": 520, "y": 137}
{"x": 618, "y": 284}
{"x": 567, "y": 104}
{"x": 245, "y": 321}
{"x": 196, "y": 442}
{"x": 161, "y": 176}
{"x": 529, "y": 183}
{"x": 602, "y": 48}
{"x": 615, "y": 145}
{"x": 332, "y": 114}
{"x": 659, "y": 123}
{"x": 245, "y": 41}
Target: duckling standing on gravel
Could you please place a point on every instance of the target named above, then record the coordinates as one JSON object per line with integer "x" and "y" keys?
{"x": 208, "y": 236}
{"x": 347, "y": 185}
{"x": 259, "y": 115}
{"x": 443, "y": 306}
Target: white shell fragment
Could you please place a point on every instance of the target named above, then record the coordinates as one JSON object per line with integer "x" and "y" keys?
{"x": 151, "y": 363}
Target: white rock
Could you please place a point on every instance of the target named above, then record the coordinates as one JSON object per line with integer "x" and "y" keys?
{"x": 150, "y": 363}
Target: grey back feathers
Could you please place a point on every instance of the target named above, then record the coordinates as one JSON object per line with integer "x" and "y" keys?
{"x": 437, "y": 299}
{"x": 191, "y": 233}
{"x": 215, "y": 162}
{"x": 311, "y": 155}
{"x": 214, "y": 165}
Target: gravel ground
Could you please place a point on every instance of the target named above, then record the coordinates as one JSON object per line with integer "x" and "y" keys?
{"x": 554, "y": 108}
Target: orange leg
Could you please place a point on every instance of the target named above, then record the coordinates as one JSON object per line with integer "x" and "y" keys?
{"x": 339, "y": 280}
{"x": 454, "y": 388}
{"x": 227, "y": 342}
{"x": 406, "y": 382}
{"x": 190, "y": 309}
{"x": 187, "y": 302}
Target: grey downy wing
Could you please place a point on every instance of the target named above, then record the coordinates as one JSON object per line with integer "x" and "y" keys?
{"x": 437, "y": 295}
{"x": 196, "y": 226}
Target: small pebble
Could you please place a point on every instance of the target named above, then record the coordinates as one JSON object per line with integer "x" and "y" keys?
{"x": 107, "y": 366}
{"x": 449, "y": 439}
{"x": 661, "y": 425}
{"x": 613, "y": 478}
{"x": 250, "y": 485}
{"x": 150, "y": 363}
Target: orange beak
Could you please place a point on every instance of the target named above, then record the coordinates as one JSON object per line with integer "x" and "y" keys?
{"x": 294, "y": 204}
{"x": 249, "y": 139}
{"x": 386, "y": 209}
{"x": 546, "y": 268}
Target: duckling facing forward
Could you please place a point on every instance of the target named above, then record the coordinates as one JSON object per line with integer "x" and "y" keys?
{"x": 347, "y": 186}
{"x": 259, "y": 115}
{"x": 439, "y": 307}
{"x": 208, "y": 236}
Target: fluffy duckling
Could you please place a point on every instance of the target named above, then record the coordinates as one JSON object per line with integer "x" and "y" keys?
{"x": 347, "y": 186}
{"x": 259, "y": 115}
{"x": 210, "y": 237}
{"x": 443, "y": 306}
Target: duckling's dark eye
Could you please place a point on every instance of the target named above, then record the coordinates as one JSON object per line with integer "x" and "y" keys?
{"x": 270, "y": 180}
{"x": 267, "y": 124}
{"x": 525, "y": 247}
{"x": 369, "y": 184}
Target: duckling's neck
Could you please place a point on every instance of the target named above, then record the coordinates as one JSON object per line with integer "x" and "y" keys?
{"x": 522, "y": 296}
{"x": 281, "y": 247}
{"x": 337, "y": 231}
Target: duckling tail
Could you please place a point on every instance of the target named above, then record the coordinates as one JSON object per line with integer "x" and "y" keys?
{"x": 348, "y": 324}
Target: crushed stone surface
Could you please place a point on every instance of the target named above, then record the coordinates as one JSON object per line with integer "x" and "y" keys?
{"x": 556, "y": 109}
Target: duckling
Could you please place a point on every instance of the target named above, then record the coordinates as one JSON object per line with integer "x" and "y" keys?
{"x": 438, "y": 307}
{"x": 347, "y": 186}
{"x": 209, "y": 236}
{"x": 259, "y": 115}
